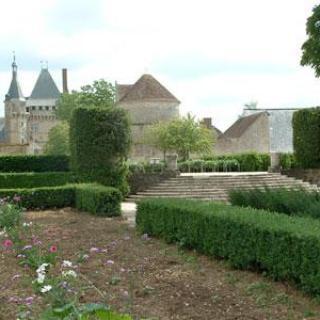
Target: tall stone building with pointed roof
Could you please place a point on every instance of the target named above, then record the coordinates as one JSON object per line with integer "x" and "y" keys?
{"x": 147, "y": 102}
{"x": 28, "y": 121}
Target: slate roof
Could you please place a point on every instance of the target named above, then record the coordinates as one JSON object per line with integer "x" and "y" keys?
{"x": 146, "y": 88}
{"x": 14, "y": 91}
{"x": 241, "y": 125}
{"x": 45, "y": 87}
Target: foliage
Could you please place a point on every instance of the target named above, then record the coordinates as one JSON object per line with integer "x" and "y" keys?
{"x": 100, "y": 94}
{"x": 35, "y": 179}
{"x": 290, "y": 202}
{"x": 98, "y": 200}
{"x": 286, "y": 248}
{"x": 306, "y": 137}
{"x": 311, "y": 47}
{"x": 234, "y": 162}
{"x": 42, "y": 198}
{"x": 288, "y": 161}
{"x": 100, "y": 142}
{"x": 209, "y": 165}
{"x": 93, "y": 198}
{"x": 144, "y": 167}
{"x": 58, "y": 140}
{"x": 184, "y": 136}
{"x": 34, "y": 163}
{"x": 10, "y": 215}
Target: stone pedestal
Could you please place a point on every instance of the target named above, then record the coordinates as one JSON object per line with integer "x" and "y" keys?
{"x": 172, "y": 162}
{"x": 275, "y": 162}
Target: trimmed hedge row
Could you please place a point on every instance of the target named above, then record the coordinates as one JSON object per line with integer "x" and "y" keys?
{"x": 248, "y": 161}
{"x": 94, "y": 198}
{"x": 209, "y": 165}
{"x": 287, "y": 248}
{"x": 34, "y": 163}
{"x": 142, "y": 168}
{"x": 35, "y": 179}
{"x": 288, "y": 161}
{"x": 290, "y": 202}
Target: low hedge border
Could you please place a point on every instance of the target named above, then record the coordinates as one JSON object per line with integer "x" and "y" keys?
{"x": 93, "y": 198}
{"x": 287, "y": 248}
{"x": 34, "y": 163}
{"x": 35, "y": 179}
{"x": 290, "y": 202}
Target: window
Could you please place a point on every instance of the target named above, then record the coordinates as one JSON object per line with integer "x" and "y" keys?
{"x": 40, "y": 107}
{"x": 53, "y": 108}
{"x": 47, "y": 108}
{"x": 33, "y": 108}
{"x": 27, "y": 109}
{"x": 35, "y": 127}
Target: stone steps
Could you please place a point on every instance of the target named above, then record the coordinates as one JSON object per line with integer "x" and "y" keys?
{"x": 217, "y": 187}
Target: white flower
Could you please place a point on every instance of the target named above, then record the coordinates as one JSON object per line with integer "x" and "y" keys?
{"x": 25, "y": 224}
{"x": 46, "y": 288}
{"x": 66, "y": 264}
{"x": 42, "y": 268}
{"x": 41, "y": 277}
{"x": 69, "y": 273}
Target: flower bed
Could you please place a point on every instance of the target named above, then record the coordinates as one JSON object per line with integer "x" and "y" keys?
{"x": 287, "y": 248}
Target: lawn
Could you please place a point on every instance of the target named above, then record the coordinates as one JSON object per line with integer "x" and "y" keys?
{"x": 145, "y": 277}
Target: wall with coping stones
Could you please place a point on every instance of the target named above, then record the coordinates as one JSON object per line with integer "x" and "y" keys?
{"x": 142, "y": 181}
{"x": 309, "y": 175}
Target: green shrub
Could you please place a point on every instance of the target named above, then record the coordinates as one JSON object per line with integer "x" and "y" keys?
{"x": 42, "y": 198}
{"x": 99, "y": 144}
{"x": 286, "y": 248}
{"x": 35, "y": 180}
{"x": 288, "y": 161}
{"x": 290, "y": 202}
{"x": 209, "y": 165}
{"x": 10, "y": 215}
{"x": 34, "y": 163}
{"x": 306, "y": 137}
{"x": 98, "y": 199}
{"x": 93, "y": 198}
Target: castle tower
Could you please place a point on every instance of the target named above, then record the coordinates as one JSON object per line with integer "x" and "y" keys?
{"x": 16, "y": 117}
{"x": 41, "y": 106}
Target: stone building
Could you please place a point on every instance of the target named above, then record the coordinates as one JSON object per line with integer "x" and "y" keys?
{"x": 28, "y": 121}
{"x": 147, "y": 102}
{"x": 259, "y": 130}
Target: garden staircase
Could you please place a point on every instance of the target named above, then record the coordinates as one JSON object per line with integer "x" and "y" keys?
{"x": 215, "y": 186}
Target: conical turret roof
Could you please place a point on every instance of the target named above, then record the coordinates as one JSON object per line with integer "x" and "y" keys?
{"x": 45, "y": 87}
{"x": 14, "y": 91}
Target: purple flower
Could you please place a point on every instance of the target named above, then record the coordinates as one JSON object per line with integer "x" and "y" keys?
{"x": 29, "y": 300}
{"x": 94, "y": 249}
{"x": 110, "y": 262}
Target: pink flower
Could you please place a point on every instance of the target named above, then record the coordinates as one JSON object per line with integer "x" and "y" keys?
{"x": 7, "y": 243}
{"x": 27, "y": 247}
{"x": 94, "y": 249}
{"x": 53, "y": 249}
{"x": 16, "y": 198}
{"x": 110, "y": 262}
{"x": 29, "y": 300}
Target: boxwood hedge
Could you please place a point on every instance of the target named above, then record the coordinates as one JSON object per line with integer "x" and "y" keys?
{"x": 93, "y": 198}
{"x": 35, "y": 179}
{"x": 34, "y": 163}
{"x": 287, "y": 248}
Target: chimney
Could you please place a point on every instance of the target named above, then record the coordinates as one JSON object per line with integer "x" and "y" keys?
{"x": 65, "y": 80}
{"x": 207, "y": 122}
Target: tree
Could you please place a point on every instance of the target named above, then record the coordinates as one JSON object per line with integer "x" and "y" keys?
{"x": 58, "y": 140}
{"x": 100, "y": 94}
{"x": 311, "y": 47}
{"x": 184, "y": 136}
{"x": 99, "y": 143}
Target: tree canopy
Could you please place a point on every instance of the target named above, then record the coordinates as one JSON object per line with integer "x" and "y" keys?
{"x": 311, "y": 47}
{"x": 58, "y": 140}
{"x": 100, "y": 94}
{"x": 184, "y": 136}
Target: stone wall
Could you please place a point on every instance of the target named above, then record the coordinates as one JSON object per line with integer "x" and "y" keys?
{"x": 255, "y": 138}
{"x": 141, "y": 182}
{"x": 308, "y": 175}
{"x": 12, "y": 149}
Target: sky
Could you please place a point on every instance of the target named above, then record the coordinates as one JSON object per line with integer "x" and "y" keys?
{"x": 214, "y": 56}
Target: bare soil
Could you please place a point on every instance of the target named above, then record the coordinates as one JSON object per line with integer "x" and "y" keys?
{"x": 150, "y": 279}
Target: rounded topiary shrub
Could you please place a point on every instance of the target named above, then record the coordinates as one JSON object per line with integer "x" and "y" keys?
{"x": 99, "y": 144}
{"x": 306, "y": 137}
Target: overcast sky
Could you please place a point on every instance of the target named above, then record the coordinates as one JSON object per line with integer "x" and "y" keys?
{"x": 213, "y": 55}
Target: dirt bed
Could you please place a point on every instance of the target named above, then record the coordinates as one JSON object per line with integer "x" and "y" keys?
{"x": 148, "y": 278}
